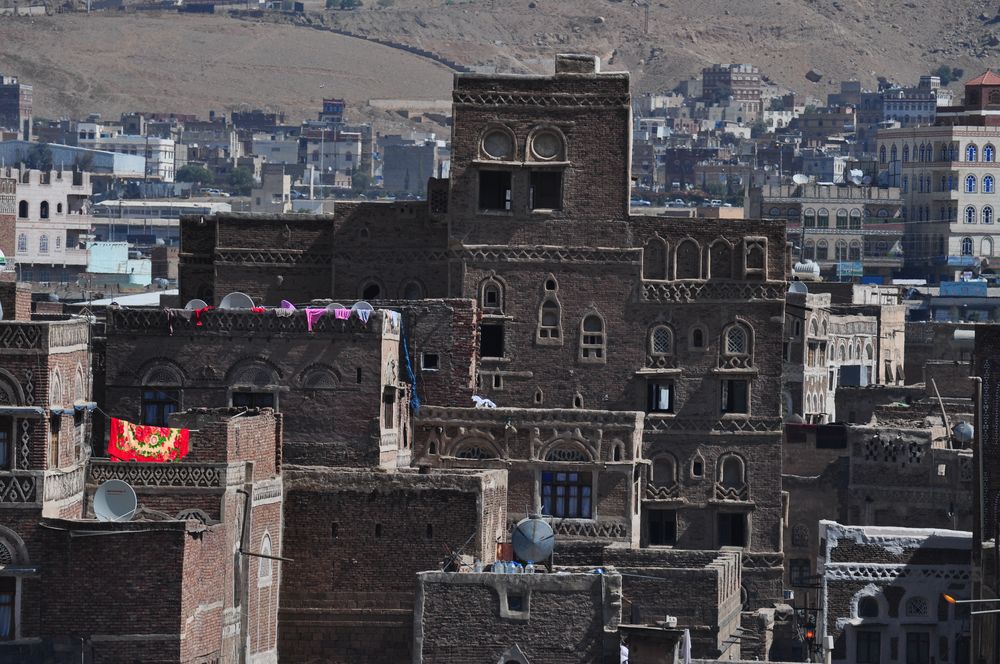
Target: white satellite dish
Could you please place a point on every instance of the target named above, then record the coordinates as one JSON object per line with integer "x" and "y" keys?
{"x": 798, "y": 287}
{"x": 115, "y": 500}
{"x": 361, "y": 305}
{"x": 236, "y": 301}
{"x": 800, "y": 178}
{"x": 857, "y": 176}
{"x": 196, "y": 304}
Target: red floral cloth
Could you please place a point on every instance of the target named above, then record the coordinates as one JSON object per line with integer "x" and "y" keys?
{"x": 137, "y": 442}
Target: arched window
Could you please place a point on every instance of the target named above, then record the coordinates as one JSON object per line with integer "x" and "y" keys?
{"x": 823, "y": 218}
{"x": 43, "y": 210}
{"x": 856, "y": 219}
{"x": 549, "y": 320}
{"x": 697, "y": 337}
{"x": 413, "y": 291}
{"x": 22, "y": 209}
{"x": 906, "y": 183}
{"x": 841, "y": 218}
{"x": 869, "y": 353}
{"x": 987, "y": 214}
{"x": 688, "y": 262}
{"x": 491, "y": 296}
{"x": 737, "y": 340}
{"x": 970, "y": 184}
{"x": 906, "y": 153}
{"x": 841, "y": 250}
{"x": 854, "y": 251}
{"x": 661, "y": 341}
{"x": 868, "y": 607}
{"x": 987, "y": 184}
{"x": 987, "y": 247}
{"x": 809, "y": 218}
{"x": 892, "y": 153}
{"x": 22, "y": 243}
{"x": 774, "y": 213}
{"x": 989, "y": 153}
{"x": 970, "y": 215}
{"x": 664, "y": 471}
{"x": 371, "y": 290}
{"x": 264, "y": 570}
{"x": 881, "y": 154}
{"x": 43, "y": 244}
{"x": 592, "y": 348}
{"x": 967, "y": 246}
{"x": 732, "y": 472}
{"x": 923, "y": 152}
{"x": 654, "y": 259}
{"x": 822, "y": 250}
{"x": 917, "y": 607}
{"x": 842, "y": 352}
{"x": 809, "y": 250}
{"x": 971, "y": 153}
{"x": 995, "y": 97}
{"x": 720, "y": 260}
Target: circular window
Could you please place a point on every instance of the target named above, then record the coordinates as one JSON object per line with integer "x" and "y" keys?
{"x": 498, "y": 144}
{"x": 546, "y": 145}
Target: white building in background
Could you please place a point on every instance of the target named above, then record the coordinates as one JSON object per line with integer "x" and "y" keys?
{"x": 144, "y": 222}
{"x": 276, "y": 149}
{"x": 332, "y": 151}
{"x": 52, "y": 225}
{"x": 159, "y": 152}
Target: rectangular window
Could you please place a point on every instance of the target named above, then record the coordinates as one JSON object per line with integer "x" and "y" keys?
{"x": 734, "y": 396}
{"x": 546, "y": 190}
{"x": 490, "y": 340}
{"x": 869, "y": 646}
{"x": 918, "y": 648}
{"x": 253, "y": 399}
{"x": 494, "y": 190}
{"x": 799, "y": 572}
{"x": 567, "y": 495}
{"x": 662, "y": 527}
{"x": 389, "y": 408}
{"x": 158, "y": 404}
{"x": 429, "y": 361}
{"x": 6, "y": 452}
{"x": 660, "y": 397}
{"x": 732, "y": 529}
{"x": 8, "y": 588}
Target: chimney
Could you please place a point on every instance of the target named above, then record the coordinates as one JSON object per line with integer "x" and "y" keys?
{"x": 577, "y": 63}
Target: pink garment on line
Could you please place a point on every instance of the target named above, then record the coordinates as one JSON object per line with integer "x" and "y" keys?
{"x": 313, "y": 315}
{"x": 342, "y": 314}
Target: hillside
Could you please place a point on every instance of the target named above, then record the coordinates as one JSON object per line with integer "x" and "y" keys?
{"x": 114, "y": 61}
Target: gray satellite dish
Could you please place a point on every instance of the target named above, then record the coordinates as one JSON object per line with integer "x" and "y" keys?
{"x": 866, "y": 180}
{"x": 115, "y": 501}
{"x": 533, "y": 540}
{"x": 798, "y": 287}
{"x": 196, "y": 304}
{"x": 236, "y": 301}
{"x": 964, "y": 432}
{"x": 799, "y": 178}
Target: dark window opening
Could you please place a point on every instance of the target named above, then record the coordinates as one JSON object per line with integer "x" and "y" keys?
{"x": 358, "y": 380}
{"x": 157, "y": 405}
{"x": 732, "y": 529}
{"x": 546, "y": 190}
{"x": 497, "y": 381}
{"x": 662, "y": 527}
{"x": 253, "y": 399}
{"x": 335, "y": 530}
{"x": 8, "y": 590}
{"x": 918, "y": 648}
{"x": 869, "y": 647}
{"x": 515, "y": 602}
{"x": 566, "y": 495}
{"x": 799, "y": 571}
{"x": 6, "y": 452}
{"x": 429, "y": 531}
{"x": 660, "y": 397}
{"x": 494, "y": 190}
{"x": 371, "y": 292}
{"x": 429, "y": 361}
{"x": 698, "y": 469}
{"x": 490, "y": 340}
{"x": 734, "y": 396}
{"x": 378, "y": 530}
{"x": 697, "y": 338}
{"x": 389, "y": 408}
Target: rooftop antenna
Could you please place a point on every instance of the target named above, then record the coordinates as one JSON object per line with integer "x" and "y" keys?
{"x": 115, "y": 500}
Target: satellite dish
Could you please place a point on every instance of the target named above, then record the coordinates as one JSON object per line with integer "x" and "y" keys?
{"x": 963, "y": 432}
{"x": 798, "y": 287}
{"x": 196, "y": 304}
{"x": 533, "y": 540}
{"x": 857, "y": 176}
{"x": 115, "y": 501}
{"x": 236, "y": 301}
{"x": 866, "y": 180}
{"x": 362, "y": 306}
{"x": 799, "y": 178}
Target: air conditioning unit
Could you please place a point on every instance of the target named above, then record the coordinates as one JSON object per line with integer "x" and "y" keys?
{"x": 789, "y": 595}
{"x": 670, "y": 621}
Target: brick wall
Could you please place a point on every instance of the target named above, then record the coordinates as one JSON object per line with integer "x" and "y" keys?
{"x": 15, "y": 298}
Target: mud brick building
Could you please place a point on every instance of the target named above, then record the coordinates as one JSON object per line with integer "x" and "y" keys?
{"x": 8, "y": 221}
{"x": 343, "y": 381}
{"x": 579, "y": 304}
{"x": 882, "y": 593}
{"x": 360, "y": 537}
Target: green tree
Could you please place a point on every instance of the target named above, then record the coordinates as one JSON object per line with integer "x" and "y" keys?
{"x": 39, "y": 157}
{"x": 241, "y": 181}
{"x": 361, "y": 181}
{"x": 193, "y": 173}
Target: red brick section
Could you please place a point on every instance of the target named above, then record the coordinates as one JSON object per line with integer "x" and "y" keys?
{"x": 8, "y": 223}
{"x": 16, "y": 300}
